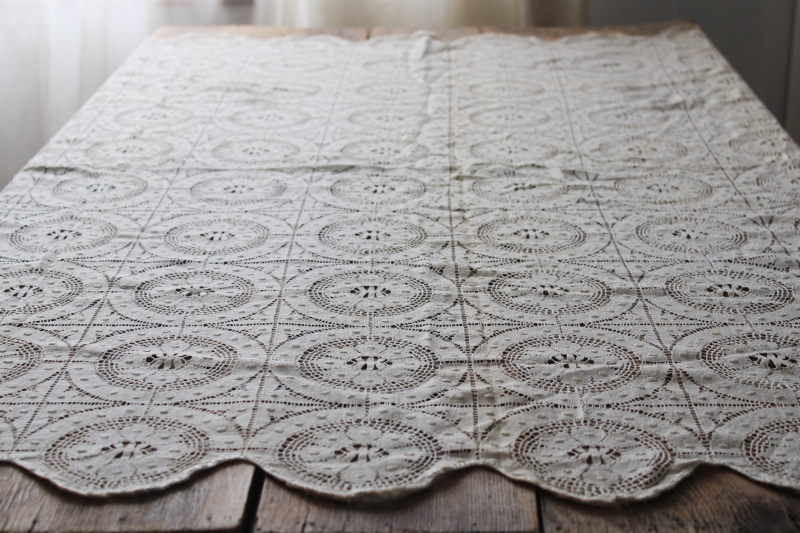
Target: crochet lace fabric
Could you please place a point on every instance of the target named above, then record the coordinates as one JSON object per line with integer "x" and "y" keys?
{"x": 361, "y": 264}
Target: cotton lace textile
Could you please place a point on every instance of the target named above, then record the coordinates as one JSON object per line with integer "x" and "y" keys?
{"x": 361, "y": 264}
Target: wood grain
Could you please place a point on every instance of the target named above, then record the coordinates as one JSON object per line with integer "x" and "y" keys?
{"x": 446, "y": 34}
{"x": 213, "y": 501}
{"x": 552, "y": 33}
{"x": 478, "y": 500}
{"x": 711, "y": 500}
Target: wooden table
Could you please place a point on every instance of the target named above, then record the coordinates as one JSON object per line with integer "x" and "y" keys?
{"x": 240, "y": 497}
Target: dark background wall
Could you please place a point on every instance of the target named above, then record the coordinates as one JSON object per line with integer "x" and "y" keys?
{"x": 754, "y": 35}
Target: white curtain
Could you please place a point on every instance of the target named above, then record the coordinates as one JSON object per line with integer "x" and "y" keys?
{"x": 428, "y": 14}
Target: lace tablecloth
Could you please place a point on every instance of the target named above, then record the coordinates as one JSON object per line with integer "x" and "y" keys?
{"x": 361, "y": 264}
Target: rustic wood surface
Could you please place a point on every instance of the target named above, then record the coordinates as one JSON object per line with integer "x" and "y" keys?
{"x": 551, "y": 33}
{"x": 478, "y": 500}
{"x": 711, "y": 500}
{"x": 447, "y": 35}
{"x": 213, "y": 501}
{"x": 237, "y": 497}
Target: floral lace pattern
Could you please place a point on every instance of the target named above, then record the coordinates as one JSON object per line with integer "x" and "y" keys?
{"x": 361, "y": 264}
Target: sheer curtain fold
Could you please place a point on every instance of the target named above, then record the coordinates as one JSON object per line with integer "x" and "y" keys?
{"x": 431, "y": 14}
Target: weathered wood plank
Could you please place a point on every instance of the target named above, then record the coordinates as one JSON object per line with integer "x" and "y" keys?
{"x": 353, "y": 34}
{"x": 711, "y": 500}
{"x": 445, "y": 34}
{"x": 213, "y": 501}
{"x": 552, "y": 33}
{"x": 456, "y": 33}
{"x": 382, "y": 31}
{"x": 473, "y": 501}
{"x": 260, "y": 32}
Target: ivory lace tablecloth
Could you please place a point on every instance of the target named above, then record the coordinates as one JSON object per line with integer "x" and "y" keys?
{"x": 361, "y": 264}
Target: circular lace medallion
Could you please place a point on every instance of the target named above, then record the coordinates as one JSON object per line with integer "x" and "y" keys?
{"x": 279, "y": 63}
{"x": 261, "y": 90}
{"x": 630, "y": 117}
{"x": 267, "y": 118}
{"x": 192, "y": 64}
{"x": 29, "y": 293}
{"x": 531, "y": 235}
{"x": 180, "y": 90}
{"x": 394, "y": 92}
{"x": 369, "y": 188}
{"x": 517, "y": 150}
{"x": 665, "y": 189}
{"x": 70, "y": 235}
{"x": 131, "y": 151}
{"x": 218, "y": 237}
{"x": 355, "y": 294}
{"x": 29, "y": 356}
{"x": 525, "y": 236}
{"x": 225, "y": 190}
{"x": 165, "y": 364}
{"x": 184, "y": 362}
{"x": 506, "y": 186}
{"x": 385, "y": 67}
{"x": 381, "y": 237}
{"x": 100, "y": 189}
{"x": 627, "y": 87}
{"x": 387, "y": 120}
{"x": 593, "y": 458}
{"x": 509, "y": 116}
{"x": 355, "y": 456}
{"x": 773, "y": 449}
{"x": 734, "y": 293}
{"x": 782, "y": 182}
{"x": 741, "y": 111}
{"x": 698, "y": 58}
{"x": 639, "y": 151}
{"x": 126, "y": 453}
{"x": 688, "y": 235}
{"x": 767, "y": 360}
{"x": 609, "y": 64}
{"x": 75, "y": 187}
{"x": 570, "y": 363}
{"x": 6, "y": 435}
{"x": 764, "y": 143}
{"x": 562, "y": 293}
{"x": 387, "y": 152}
{"x": 221, "y": 237}
{"x": 254, "y": 152}
{"x": 194, "y": 294}
{"x": 390, "y": 365}
{"x": 17, "y": 357}
{"x": 502, "y": 89}
{"x": 151, "y": 117}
